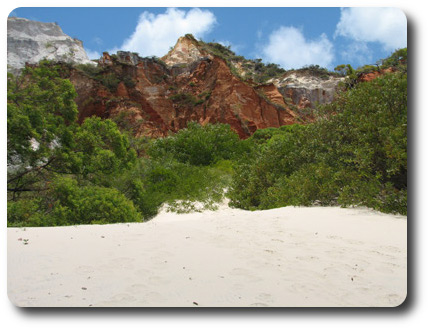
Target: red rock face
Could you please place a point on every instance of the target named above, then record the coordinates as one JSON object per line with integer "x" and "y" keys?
{"x": 155, "y": 99}
{"x": 372, "y": 75}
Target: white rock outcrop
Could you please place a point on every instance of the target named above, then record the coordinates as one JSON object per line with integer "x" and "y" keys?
{"x": 30, "y": 41}
{"x": 300, "y": 86}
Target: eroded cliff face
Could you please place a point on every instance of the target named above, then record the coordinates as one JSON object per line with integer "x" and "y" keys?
{"x": 189, "y": 84}
{"x": 369, "y": 76}
{"x": 30, "y": 41}
{"x": 155, "y": 98}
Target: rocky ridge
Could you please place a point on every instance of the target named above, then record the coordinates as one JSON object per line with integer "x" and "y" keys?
{"x": 193, "y": 82}
{"x": 30, "y": 41}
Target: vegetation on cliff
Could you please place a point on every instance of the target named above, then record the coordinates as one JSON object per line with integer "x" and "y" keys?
{"x": 354, "y": 154}
{"x": 63, "y": 173}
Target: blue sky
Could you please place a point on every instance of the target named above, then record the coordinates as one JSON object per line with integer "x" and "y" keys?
{"x": 291, "y": 37}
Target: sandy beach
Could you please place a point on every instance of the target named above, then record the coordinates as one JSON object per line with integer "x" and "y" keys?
{"x": 292, "y": 256}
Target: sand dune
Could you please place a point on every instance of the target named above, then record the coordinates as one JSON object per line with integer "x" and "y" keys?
{"x": 319, "y": 256}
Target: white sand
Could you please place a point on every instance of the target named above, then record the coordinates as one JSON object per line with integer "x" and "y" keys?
{"x": 283, "y": 257}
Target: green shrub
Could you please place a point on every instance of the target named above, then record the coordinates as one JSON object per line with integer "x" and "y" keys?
{"x": 91, "y": 70}
{"x": 199, "y": 145}
{"x": 310, "y": 184}
{"x": 129, "y": 82}
{"x": 354, "y": 154}
{"x": 24, "y": 213}
{"x": 67, "y": 203}
{"x": 110, "y": 81}
{"x": 76, "y": 204}
{"x": 186, "y": 99}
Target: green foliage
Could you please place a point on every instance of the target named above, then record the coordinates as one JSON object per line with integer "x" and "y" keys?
{"x": 76, "y": 204}
{"x": 217, "y": 49}
{"x": 366, "y": 69}
{"x": 68, "y": 203}
{"x": 264, "y": 72}
{"x": 317, "y": 71}
{"x": 46, "y": 147}
{"x": 97, "y": 149}
{"x": 24, "y": 212}
{"x": 355, "y": 154}
{"x": 129, "y": 82}
{"x": 344, "y": 70}
{"x": 199, "y": 145}
{"x": 398, "y": 60}
{"x": 256, "y": 70}
{"x": 186, "y": 99}
{"x": 62, "y": 173}
{"x": 40, "y": 123}
{"x": 110, "y": 81}
{"x": 91, "y": 70}
{"x": 179, "y": 185}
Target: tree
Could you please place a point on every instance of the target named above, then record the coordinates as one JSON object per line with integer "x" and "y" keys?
{"x": 344, "y": 70}
{"x": 59, "y": 172}
{"x": 41, "y": 115}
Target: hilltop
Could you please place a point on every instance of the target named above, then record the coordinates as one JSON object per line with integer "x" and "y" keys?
{"x": 195, "y": 81}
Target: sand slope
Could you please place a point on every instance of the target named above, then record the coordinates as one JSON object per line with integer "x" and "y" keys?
{"x": 229, "y": 258}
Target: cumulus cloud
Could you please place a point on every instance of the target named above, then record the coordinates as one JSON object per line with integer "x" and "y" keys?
{"x": 155, "y": 34}
{"x": 387, "y": 26}
{"x": 289, "y": 48}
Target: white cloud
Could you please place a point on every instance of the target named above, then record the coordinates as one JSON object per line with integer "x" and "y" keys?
{"x": 155, "y": 34}
{"x": 288, "y": 47}
{"x": 387, "y": 26}
{"x": 357, "y": 52}
{"x": 92, "y": 54}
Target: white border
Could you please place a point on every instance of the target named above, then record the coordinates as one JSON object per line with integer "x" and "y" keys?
{"x": 415, "y": 315}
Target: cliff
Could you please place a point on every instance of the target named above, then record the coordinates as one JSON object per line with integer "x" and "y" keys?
{"x": 155, "y": 98}
{"x": 195, "y": 81}
{"x": 30, "y": 41}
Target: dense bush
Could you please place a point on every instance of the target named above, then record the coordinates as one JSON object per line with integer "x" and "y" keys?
{"x": 354, "y": 154}
{"x": 68, "y": 203}
{"x": 199, "y": 145}
{"x": 47, "y": 147}
{"x": 62, "y": 173}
